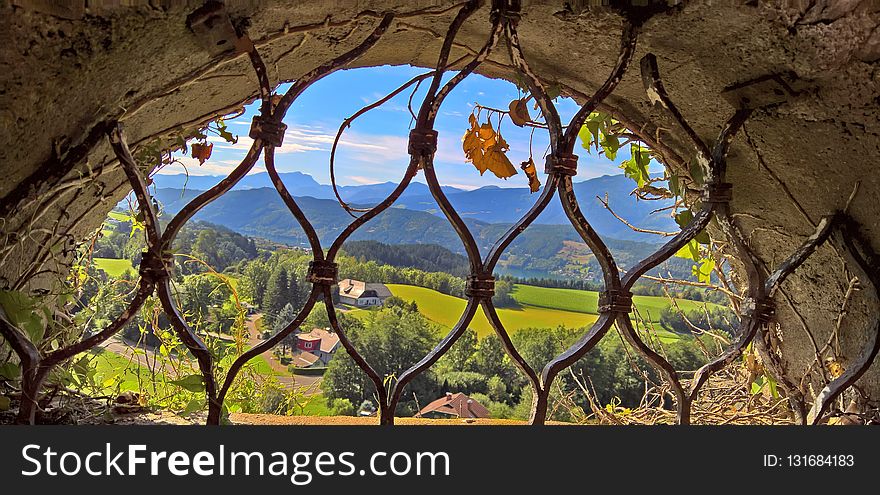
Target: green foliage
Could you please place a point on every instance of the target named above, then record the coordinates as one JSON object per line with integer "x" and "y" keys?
{"x": 342, "y": 407}
{"x": 460, "y": 356}
{"x": 193, "y": 383}
{"x": 9, "y": 371}
{"x": 391, "y": 341}
{"x": 712, "y": 317}
{"x": 425, "y": 257}
{"x": 503, "y": 297}
{"x": 636, "y": 168}
{"x": 27, "y": 313}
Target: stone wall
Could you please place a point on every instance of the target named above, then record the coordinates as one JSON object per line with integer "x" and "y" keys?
{"x": 66, "y": 73}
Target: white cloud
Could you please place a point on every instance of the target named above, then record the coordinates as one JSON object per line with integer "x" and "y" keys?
{"x": 358, "y": 179}
{"x": 191, "y": 166}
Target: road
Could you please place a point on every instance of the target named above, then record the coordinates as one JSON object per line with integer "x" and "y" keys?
{"x": 309, "y": 385}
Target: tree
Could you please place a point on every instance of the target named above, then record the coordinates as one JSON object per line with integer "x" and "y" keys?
{"x": 276, "y": 294}
{"x": 342, "y": 407}
{"x": 503, "y": 297}
{"x": 254, "y": 280}
{"x": 202, "y": 292}
{"x": 391, "y": 342}
{"x": 496, "y": 389}
{"x": 285, "y": 316}
{"x": 460, "y": 355}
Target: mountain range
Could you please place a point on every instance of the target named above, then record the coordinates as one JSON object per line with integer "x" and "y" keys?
{"x": 489, "y": 204}
{"x": 550, "y": 247}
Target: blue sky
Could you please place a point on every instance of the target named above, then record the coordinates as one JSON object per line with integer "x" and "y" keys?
{"x": 373, "y": 149}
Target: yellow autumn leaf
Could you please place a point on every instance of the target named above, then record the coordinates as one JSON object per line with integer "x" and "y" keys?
{"x": 478, "y": 158}
{"x": 486, "y": 131}
{"x": 496, "y": 161}
{"x": 489, "y": 143}
{"x": 834, "y": 367}
{"x": 201, "y": 151}
{"x": 470, "y": 142}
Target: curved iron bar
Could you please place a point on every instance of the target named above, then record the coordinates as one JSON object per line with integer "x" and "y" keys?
{"x": 561, "y": 166}
{"x": 267, "y": 126}
{"x": 292, "y": 206}
{"x": 547, "y": 194}
{"x": 196, "y": 347}
{"x": 479, "y": 58}
{"x": 516, "y": 357}
{"x": 716, "y": 196}
{"x": 386, "y": 416}
{"x": 866, "y": 265}
{"x": 186, "y": 333}
{"x": 424, "y": 157}
{"x": 657, "y": 94}
{"x": 317, "y": 254}
{"x": 570, "y": 356}
{"x": 423, "y": 121}
{"x": 682, "y": 398}
{"x": 750, "y": 320}
{"x": 717, "y": 167}
{"x": 277, "y": 114}
{"x": 321, "y": 71}
{"x": 269, "y": 343}
{"x": 536, "y": 87}
{"x": 628, "y": 41}
{"x": 408, "y": 176}
{"x": 244, "y": 44}
{"x": 35, "y": 366}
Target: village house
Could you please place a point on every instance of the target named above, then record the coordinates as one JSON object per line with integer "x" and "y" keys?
{"x": 362, "y": 294}
{"x": 457, "y": 405}
{"x": 319, "y": 343}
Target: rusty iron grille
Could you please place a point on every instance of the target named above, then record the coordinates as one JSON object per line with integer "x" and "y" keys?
{"x": 615, "y": 303}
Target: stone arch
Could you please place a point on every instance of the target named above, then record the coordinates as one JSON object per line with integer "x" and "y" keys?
{"x": 69, "y": 73}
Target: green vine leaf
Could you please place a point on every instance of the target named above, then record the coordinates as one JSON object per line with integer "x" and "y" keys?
{"x": 9, "y": 371}
{"x": 193, "y": 383}
{"x": 703, "y": 270}
{"x": 636, "y": 168}
{"x": 690, "y": 251}
{"x": 26, "y": 313}
{"x": 683, "y": 218}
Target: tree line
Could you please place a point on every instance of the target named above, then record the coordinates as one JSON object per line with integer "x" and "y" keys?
{"x": 396, "y": 337}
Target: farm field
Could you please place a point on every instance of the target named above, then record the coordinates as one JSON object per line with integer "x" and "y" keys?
{"x": 113, "y": 267}
{"x": 582, "y": 301}
{"x": 445, "y": 310}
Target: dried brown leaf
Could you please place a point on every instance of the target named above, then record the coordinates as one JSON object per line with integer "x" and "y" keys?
{"x": 519, "y": 112}
{"x": 532, "y": 173}
{"x": 201, "y": 151}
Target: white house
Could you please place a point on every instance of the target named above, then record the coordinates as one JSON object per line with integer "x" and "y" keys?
{"x": 362, "y": 294}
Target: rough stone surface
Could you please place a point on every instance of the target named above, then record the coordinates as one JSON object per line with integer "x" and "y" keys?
{"x": 63, "y": 72}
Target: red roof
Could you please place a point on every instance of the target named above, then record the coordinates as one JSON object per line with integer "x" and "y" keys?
{"x": 458, "y": 404}
{"x": 329, "y": 340}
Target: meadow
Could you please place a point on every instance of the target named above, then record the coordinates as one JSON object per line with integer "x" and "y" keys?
{"x": 445, "y": 310}
{"x": 539, "y": 308}
{"x": 114, "y": 267}
{"x": 583, "y": 301}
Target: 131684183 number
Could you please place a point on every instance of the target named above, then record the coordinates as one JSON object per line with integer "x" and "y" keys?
{"x": 820, "y": 460}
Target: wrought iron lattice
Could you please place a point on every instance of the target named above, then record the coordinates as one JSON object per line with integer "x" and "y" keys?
{"x": 615, "y": 302}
